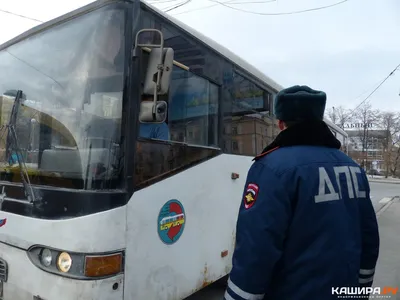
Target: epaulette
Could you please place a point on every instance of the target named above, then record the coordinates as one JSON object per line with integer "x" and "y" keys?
{"x": 265, "y": 153}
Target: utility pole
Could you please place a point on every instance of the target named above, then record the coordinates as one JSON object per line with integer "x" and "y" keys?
{"x": 363, "y": 147}
{"x": 366, "y": 148}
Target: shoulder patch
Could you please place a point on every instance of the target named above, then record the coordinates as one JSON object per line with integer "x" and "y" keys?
{"x": 265, "y": 153}
{"x": 250, "y": 196}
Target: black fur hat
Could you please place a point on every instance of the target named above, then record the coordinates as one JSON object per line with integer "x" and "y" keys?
{"x": 299, "y": 103}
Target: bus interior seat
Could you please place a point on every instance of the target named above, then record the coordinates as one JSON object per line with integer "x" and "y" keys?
{"x": 100, "y": 147}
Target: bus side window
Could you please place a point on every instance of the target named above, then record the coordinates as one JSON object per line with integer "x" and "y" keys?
{"x": 192, "y": 120}
{"x": 252, "y": 127}
{"x": 193, "y": 109}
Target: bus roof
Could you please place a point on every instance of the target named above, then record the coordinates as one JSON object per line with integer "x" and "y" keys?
{"x": 335, "y": 127}
{"x": 221, "y": 50}
{"x": 211, "y": 43}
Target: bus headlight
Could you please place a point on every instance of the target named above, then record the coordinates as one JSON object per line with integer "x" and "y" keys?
{"x": 64, "y": 262}
{"x": 46, "y": 257}
{"x": 77, "y": 265}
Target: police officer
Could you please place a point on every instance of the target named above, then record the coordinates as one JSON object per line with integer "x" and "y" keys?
{"x": 306, "y": 224}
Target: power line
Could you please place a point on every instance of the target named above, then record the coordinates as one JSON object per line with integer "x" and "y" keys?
{"x": 21, "y": 16}
{"x": 200, "y": 8}
{"x": 226, "y": 2}
{"x": 282, "y": 13}
{"x": 249, "y": 2}
{"x": 177, "y": 6}
{"x": 368, "y": 90}
{"x": 163, "y": 1}
{"x": 373, "y": 92}
{"x": 36, "y": 69}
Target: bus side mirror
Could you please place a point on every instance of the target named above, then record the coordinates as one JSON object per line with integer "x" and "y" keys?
{"x": 147, "y": 108}
{"x": 161, "y": 59}
{"x": 165, "y": 69}
{"x": 158, "y": 74}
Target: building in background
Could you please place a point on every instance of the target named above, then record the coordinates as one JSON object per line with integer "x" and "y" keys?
{"x": 368, "y": 148}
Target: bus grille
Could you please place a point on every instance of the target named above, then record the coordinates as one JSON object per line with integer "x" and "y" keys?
{"x": 3, "y": 270}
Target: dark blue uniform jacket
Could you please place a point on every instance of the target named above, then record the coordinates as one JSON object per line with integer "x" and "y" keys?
{"x": 306, "y": 225}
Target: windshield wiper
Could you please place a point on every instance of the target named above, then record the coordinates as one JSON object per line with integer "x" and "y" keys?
{"x": 12, "y": 139}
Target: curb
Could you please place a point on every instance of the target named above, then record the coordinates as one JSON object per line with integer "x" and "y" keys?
{"x": 384, "y": 181}
{"x": 386, "y": 206}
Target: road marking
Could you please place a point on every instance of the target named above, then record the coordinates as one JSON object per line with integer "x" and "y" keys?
{"x": 385, "y": 200}
{"x": 386, "y": 206}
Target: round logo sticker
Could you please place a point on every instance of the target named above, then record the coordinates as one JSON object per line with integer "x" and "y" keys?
{"x": 171, "y": 221}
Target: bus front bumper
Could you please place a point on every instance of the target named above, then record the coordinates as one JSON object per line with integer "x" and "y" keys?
{"x": 24, "y": 281}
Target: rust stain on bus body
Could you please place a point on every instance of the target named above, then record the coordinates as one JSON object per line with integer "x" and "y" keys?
{"x": 206, "y": 279}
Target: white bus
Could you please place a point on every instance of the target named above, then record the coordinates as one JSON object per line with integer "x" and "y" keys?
{"x": 88, "y": 216}
{"x": 339, "y": 133}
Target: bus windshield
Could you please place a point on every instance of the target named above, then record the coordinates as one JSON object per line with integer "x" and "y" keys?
{"x": 68, "y": 125}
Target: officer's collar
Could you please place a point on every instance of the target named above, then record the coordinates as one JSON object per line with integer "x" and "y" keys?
{"x": 310, "y": 133}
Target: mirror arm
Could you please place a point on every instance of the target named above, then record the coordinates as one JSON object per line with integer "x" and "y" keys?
{"x": 159, "y": 69}
{"x": 156, "y": 87}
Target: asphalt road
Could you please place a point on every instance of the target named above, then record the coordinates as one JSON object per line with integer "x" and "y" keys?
{"x": 383, "y": 190}
{"x": 379, "y": 191}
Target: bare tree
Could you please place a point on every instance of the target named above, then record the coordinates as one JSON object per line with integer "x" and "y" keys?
{"x": 338, "y": 115}
{"x": 390, "y": 123}
{"x": 365, "y": 117}
{"x": 330, "y": 113}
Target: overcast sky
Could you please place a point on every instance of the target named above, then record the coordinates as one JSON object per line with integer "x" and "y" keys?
{"x": 346, "y": 50}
